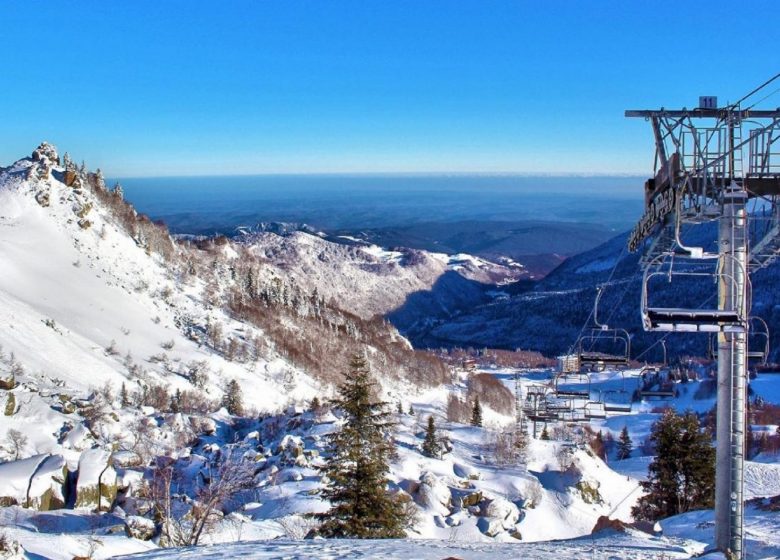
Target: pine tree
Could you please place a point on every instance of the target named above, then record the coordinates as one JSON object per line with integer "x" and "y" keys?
{"x": 355, "y": 471}
{"x": 476, "y": 413}
{"x": 316, "y": 405}
{"x": 545, "y": 435}
{"x": 411, "y": 410}
{"x": 400, "y": 408}
{"x": 176, "y": 401}
{"x": 232, "y": 400}
{"x": 124, "y": 399}
{"x": 431, "y": 446}
{"x": 681, "y": 478}
{"x": 625, "y": 445}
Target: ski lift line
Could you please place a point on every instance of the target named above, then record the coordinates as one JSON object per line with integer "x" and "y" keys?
{"x": 767, "y": 96}
{"x": 756, "y": 90}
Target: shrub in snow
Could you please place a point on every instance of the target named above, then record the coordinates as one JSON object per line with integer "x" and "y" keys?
{"x": 11, "y": 549}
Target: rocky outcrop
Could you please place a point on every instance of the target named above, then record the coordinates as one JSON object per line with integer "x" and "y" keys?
{"x": 604, "y": 523}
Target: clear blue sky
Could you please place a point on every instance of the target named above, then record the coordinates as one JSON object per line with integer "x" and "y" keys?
{"x": 143, "y": 88}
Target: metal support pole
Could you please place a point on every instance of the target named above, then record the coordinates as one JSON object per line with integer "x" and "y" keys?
{"x": 732, "y": 295}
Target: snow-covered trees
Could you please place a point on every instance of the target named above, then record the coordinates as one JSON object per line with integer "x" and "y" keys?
{"x": 682, "y": 476}
{"x": 357, "y": 464}
{"x": 431, "y": 446}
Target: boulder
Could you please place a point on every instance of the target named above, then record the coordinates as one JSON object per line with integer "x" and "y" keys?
{"x": 42, "y": 198}
{"x": 37, "y": 482}
{"x": 434, "y": 494}
{"x": 11, "y": 407}
{"x": 96, "y": 485}
{"x": 48, "y": 485}
{"x": 490, "y": 527}
{"x": 291, "y": 451}
{"x": 604, "y": 523}
{"x": 471, "y": 500}
{"x": 8, "y": 383}
{"x": 497, "y": 515}
{"x": 501, "y": 509}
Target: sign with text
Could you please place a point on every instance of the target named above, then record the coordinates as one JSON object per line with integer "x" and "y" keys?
{"x": 708, "y": 102}
{"x": 661, "y": 206}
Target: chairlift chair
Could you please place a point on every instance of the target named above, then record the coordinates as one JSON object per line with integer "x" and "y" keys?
{"x": 758, "y": 341}
{"x": 560, "y": 390}
{"x": 678, "y": 319}
{"x": 618, "y": 341}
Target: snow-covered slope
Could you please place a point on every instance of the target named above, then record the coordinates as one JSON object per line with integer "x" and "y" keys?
{"x": 80, "y": 298}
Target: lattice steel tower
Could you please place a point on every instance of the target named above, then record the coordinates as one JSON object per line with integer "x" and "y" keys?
{"x": 712, "y": 166}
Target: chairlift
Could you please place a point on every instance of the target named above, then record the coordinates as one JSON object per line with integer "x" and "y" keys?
{"x": 617, "y": 400}
{"x": 758, "y": 341}
{"x": 595, "y": 411}
{"x": 592, "y": 347}
{"x": 678, "y": 319}
{"x": 561, "y": 382}
{"x": 665, "y": 388}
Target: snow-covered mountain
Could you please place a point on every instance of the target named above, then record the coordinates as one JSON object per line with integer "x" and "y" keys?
{"x": 410, "y": 287}
{"x": 127, "y": 354}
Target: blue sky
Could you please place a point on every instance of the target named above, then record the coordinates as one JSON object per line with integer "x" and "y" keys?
{"x": 191, "y": 88}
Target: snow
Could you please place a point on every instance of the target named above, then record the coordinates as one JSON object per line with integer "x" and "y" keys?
{"x": 633, "y": 546}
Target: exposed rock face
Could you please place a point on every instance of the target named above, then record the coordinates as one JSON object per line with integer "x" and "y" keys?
{"x": 70, "y": 177}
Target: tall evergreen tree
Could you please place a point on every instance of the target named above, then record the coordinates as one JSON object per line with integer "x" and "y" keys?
{"x": 476, "y": 413}
{"x": 682, "y": 476}
{"x": 625, "y": 446}
{"x": 124, "y": 399}
{"x": 431, "y": 446}
{"x": 356, "y": 467}
{"x": 232, "y": 400}
{"x": 545, "y": 435}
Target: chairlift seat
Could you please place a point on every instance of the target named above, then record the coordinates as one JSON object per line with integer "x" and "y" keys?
{"x": 572, "y": 394}
{"x": 693, "y": 320}
{"x": 597, "y": 358}
{"x": 660, "y": 394}
{"x": 617, "y": 408}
